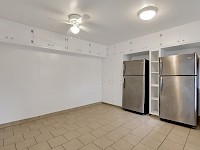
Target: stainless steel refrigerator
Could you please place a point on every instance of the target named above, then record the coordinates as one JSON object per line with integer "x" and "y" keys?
{"x": 136, "y": 86}
{"x": 179, "y": 88}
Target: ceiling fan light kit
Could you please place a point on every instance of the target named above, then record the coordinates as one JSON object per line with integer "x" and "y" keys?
{"x": 75, "y": 29}
{"x": 147, "y": 13}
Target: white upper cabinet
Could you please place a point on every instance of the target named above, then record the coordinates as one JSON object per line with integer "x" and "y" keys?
{"x": 73, "y": 44}
{"x": 129, "y": 48}
{"x": 98, "y": 49}
{"x": 140, "y": 44}
{"x": 57, "y": 41}
{"x": 22, "y": 34}
{"x": 121, "y": 48}
{"x": 190, "y": 33}
{"x": 84, "y": 47}
{"x": 152, "y": 41}
{"x": 4, "y": 30}
{"x": 171, "y": 37}
{"x": 42, "y": 38}
{"x": 47, "y": 39}
{"x": 15, "y": 32}
{"x": 102, "y": 50}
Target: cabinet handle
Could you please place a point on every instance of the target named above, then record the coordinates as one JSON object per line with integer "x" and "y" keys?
{"x": 124, "y": 68}
{"x": 11, "y": 38}
{"x": 178, "y": 41}
{"x": 6, "y": 37}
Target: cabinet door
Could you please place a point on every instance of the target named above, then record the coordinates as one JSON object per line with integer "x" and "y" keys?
{"x": 98, "y": 49}
{"x": 152, "y": 41}
{"x": 190, "y": 33}
{"x": 140, "y": 45}
{"x": 171, "y": 37}
{"x": 84, "y": 47}
{"x": 73, "y": 45}
{"x": 129, "y": 47}
{"x": 57, "y": 41}
{"x": 21, "y": 34}
{"x": 120, "y": 48}
{"x": 102, "y": 50}
{"x": 4, "y": 30}
{"x": 42, "y": 38}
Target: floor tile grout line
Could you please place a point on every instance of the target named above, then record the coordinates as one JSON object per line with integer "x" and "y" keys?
{"x": 166, "y": 136}
{"x": 143, "y": 139}
{"x": 186, "y": 139}
{"x": 130, "y": 133}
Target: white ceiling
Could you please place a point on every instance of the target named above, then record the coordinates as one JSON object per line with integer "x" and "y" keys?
{"x": 112, "y": 20}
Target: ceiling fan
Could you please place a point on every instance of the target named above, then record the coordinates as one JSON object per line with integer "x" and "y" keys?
{"x": 75, "y": 21}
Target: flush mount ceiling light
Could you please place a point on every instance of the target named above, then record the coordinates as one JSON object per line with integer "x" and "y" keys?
{"x": 147, "y": 13}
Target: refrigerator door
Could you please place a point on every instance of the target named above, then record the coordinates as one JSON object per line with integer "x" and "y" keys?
{"x": 134, "y": 93}
{"x": 178, "y": 99}
{"x": 135, "y": 67}
{"x": 178, "y": 65}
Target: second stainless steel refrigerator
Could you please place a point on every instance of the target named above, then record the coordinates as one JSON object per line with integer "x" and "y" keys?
{"x": 179, "y": 88}
{"x": 136, "y": 86}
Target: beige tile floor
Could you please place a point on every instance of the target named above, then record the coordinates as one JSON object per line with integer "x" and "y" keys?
{"x": 99, "y": 127}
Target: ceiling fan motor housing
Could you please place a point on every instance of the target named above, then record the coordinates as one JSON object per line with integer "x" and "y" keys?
{"x": 73, "y": 18}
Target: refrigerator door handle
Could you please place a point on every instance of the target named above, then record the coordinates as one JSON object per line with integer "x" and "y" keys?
{"x": 161, "y": 84}
{"x": 161, "y": 66}
{"x": 124, "y": 83}
{"x": 124, "y": 70}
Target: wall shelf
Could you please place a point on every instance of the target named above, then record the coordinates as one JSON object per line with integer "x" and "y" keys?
{"x": 154, "y": 83}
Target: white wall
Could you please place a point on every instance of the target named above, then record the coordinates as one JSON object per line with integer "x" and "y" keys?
{"x": 34, "y": 83}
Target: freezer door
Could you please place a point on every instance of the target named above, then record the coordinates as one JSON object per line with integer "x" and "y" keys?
{"x": 134, "y": 93}
{"x": 179, "y": 65}
{"x": 178, "y": 99}
{"x": 135, "y": 67}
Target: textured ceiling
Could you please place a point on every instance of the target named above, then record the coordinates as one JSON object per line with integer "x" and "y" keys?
{"x": 112, "y": 20}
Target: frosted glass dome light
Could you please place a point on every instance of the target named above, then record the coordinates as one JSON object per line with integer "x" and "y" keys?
{"x": 147, "y": 13}
{"x": 75, "y": 29}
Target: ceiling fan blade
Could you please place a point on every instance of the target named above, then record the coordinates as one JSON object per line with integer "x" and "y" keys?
{"x": 62, "y": 21}
{"x": 86, "y": 29}
{"x": 83, "y": 18}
